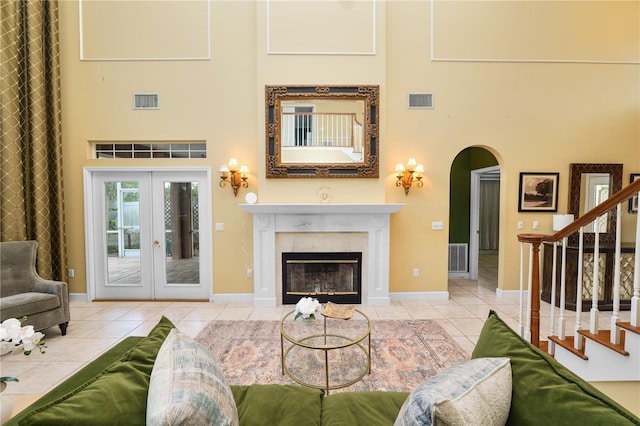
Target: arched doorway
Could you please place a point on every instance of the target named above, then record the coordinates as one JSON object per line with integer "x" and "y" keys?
{"x": 474, "y": 216}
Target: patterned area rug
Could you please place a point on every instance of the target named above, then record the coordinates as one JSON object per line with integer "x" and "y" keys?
{"x": 403, "y": 354}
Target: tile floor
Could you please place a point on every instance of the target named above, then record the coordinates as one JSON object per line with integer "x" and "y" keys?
{"x": 96, "y": 326}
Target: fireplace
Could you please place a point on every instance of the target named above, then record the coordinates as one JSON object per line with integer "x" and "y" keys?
{"x": 273, "y": 221}
{"x": 327, "y": 276}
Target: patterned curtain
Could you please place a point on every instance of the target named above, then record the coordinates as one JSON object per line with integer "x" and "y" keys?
{"x": 31, "y": 198}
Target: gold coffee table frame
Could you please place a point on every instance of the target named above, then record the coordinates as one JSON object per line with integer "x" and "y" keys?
{"x": 306, "y": 341}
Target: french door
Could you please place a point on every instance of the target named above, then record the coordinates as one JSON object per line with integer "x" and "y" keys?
{"x": 147, "y": 237}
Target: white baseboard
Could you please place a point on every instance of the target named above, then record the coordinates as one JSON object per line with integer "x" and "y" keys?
{"x": 509, "y": 294}
{"x": 78, "y": 297}
{"x": 377, "y": 301}
{"x": 421, "y": 295}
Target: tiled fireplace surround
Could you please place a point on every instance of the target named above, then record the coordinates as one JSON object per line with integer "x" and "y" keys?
{"x": 279, "y": 228}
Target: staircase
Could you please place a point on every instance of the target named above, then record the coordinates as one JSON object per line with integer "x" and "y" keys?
{"x": 595, "y": 353}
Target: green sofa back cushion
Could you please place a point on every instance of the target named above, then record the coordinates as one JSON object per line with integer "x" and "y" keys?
{"x": 117, "y": 396}
{"x": 375, "y": 408}
{"x": 282, "y": 405}
{"x": 544, "y": 391}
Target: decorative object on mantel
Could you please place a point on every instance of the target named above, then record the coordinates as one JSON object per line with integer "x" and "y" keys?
{"x": 324, "y": 193}
{"x": 235, "y": 175}
{"x": 251, "y": 198}
{"x": 406, "y": 175}
{"x": 307, "y": 308}
{"x": 334, "y": 310}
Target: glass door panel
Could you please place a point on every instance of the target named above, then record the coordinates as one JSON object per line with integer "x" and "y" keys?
{"x": 122, "y": 251}
{"x": 177, "y": 207}
{"x": 122, "y": 202}
{"x": 182, "y": 237}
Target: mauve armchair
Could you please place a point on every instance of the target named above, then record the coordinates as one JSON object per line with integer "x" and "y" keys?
{"x": 23, "y": 292}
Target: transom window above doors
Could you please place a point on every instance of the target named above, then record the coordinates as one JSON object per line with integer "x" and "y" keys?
{"x": 150, "y": 150}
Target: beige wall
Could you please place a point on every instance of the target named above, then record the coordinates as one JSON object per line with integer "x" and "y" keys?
{"x": 534, "y": 116}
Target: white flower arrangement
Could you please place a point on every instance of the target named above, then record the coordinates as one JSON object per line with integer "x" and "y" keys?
{"x": 307, "y": 308}
{"x": 13, "y": 335}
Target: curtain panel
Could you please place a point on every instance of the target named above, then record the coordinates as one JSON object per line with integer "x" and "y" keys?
{"x": 31, "y": 186}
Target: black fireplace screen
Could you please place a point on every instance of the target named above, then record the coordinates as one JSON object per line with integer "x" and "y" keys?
{"x": 332, "y": 276}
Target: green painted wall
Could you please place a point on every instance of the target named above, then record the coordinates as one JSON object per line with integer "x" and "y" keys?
{"x": 469, "y": 159}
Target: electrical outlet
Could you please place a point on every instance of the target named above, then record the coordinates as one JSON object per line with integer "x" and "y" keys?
{"x": 416, "y": 272}
{"x": 520, "y": 224}
{"x": 219, "y": 226}
{"x": 72, "y": 273}
{"x": 536, "y": 224}
{"x": 249, "y": 272}
{"x": 437, "y": 226}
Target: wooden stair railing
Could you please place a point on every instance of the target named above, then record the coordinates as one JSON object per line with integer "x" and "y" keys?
{"x": 536, "y": 241}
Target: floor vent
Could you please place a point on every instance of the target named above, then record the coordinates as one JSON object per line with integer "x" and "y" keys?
{"x": 420, "y": 100}
{"x": 146, "y": 101}
{"x": 458, "y": 257}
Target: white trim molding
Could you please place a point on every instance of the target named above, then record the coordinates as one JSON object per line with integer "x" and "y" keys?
{"x": 205, "y": 57}
{"x": 435, "y": 58}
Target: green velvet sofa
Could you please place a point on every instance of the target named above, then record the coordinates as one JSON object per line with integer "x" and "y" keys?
{"x": 113, "y": 390}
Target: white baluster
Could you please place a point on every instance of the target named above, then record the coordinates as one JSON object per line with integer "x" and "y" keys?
{"x": 615, "y": 317}
{"x": 529, "y": 295}
{"x": 551, "y": 348}
{"x": 577, "y": 340}
{"x": 594, "y": 313}
{"x": 635, "y": 300}
{"x": 563, "y": 282}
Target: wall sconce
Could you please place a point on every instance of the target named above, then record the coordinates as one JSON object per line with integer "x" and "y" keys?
{"x": 407, "y": 174}
{"x": 236, "y": 176}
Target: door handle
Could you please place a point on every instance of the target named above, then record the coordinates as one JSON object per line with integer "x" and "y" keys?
{"x": 156, "y": 243}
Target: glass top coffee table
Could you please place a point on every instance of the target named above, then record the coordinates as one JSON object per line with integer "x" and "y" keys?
{"x": 326, "y": 353}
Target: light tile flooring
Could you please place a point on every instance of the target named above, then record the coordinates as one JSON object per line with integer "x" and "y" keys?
{"x": 96, "y": 326}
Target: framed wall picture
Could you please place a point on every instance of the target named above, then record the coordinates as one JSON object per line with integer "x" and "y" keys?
{"x": 538, "y": 192}
{"x": 633, "y": 202}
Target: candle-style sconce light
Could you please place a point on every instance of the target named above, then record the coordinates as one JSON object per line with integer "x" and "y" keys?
{"x": 235, "y": 175}
{"x": 409, "y": 174}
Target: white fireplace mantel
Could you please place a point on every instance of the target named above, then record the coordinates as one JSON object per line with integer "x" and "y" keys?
{"x": 269, "y": 219}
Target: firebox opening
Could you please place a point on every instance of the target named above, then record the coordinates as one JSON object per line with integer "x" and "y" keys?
{"x": 332, "y": 276}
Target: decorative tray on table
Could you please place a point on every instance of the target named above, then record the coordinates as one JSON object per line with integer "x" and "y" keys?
{"x": 334, "y": 310}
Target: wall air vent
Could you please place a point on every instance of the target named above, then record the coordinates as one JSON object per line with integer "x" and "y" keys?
{"x": 420, "y": 100}
{"x": 458, "y": 255}
{"x": 146, "y": 101}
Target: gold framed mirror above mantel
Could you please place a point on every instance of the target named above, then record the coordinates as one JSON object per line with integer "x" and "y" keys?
{"x": 322, "y": 131}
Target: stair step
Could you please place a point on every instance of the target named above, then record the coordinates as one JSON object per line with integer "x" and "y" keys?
{"x": 628, "y": 326}
{"x": 604, "y": 338}
{"x": 544, "y": 346}
{"x": 567, "y": 343}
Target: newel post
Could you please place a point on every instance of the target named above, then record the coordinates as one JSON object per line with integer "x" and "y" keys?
{"x": 535, "y": 240}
